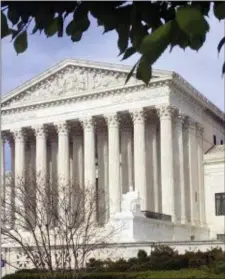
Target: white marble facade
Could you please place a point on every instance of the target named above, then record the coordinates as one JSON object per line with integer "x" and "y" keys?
{"x": 144, "y": 143}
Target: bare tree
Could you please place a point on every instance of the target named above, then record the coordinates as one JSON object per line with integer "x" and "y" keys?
{"x": 57, "y": 226}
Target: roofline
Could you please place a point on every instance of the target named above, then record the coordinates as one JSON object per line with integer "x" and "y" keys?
{"x": 176, "y": 78}
{"x": 76, "y": 62}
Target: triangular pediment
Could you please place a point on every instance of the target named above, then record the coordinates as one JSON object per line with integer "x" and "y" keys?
{"x": 70, "y": 78}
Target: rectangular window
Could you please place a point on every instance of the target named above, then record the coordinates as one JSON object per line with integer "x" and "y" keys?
{"x": 214, "y": 139}
{"x": 196, "y": 197}
{"x": 221, "y": 237}
{"x": 221, "y": 142}
{"x": 220, "y": 204}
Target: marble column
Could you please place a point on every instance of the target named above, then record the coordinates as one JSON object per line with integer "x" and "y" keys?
{"x": 192, "y": 171}
{"x": 19, "y": 138}
{"x": 89, "y": 153}
{"x": 115, "y": 190}
{"x": 167, "y": 168}
{"x": 200, "y": 174}
{"x": 139, "y": 156}
{"x": 64, "y": 190}
{"x": 127, "y": 159}
{"x": 41, "y": 153}
{"x": 102, "y": 146}
{"x": 179, "y": 169}
{"x": 89, "y": 168}
{"x": 78, "y": 153}
{"x": 152, "y": 164}
{"x": 78, "y": 171}
{"x": 41, "y": 174}
{"x": 63, "y": 153}
{"x": 54, "y": 177}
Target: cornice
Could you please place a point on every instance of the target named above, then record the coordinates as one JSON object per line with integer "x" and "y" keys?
{"x": 114, "y": 68}
{"x": 195, "y": 96}
{"x": 85, "y": 96}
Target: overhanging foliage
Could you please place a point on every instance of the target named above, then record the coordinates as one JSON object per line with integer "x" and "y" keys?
{"x": 147, "y": 27}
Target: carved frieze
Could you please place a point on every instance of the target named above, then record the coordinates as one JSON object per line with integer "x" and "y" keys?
{"x": 72, "y": 80}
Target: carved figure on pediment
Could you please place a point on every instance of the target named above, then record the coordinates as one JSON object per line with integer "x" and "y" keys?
{"x": 82, "y": 84}
{"x": 95, "y": 81}
{"x": 70, "y": 82}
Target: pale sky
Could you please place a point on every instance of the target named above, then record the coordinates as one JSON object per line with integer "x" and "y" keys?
{"x": 202, "y": 69}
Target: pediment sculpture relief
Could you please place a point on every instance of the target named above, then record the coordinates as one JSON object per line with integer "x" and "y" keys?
{"x": 70, "y": 81}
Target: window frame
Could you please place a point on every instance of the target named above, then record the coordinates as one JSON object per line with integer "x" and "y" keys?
{"x": 220, "y": 208}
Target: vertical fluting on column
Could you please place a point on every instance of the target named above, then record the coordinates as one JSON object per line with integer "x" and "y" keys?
{"x": 78, "y": 170}
{"x": 64, "y": 190}
{"x": 155, "y": 174}
{"x": 3, "y": 185}
{"x": 54, "y": 177}
{"x": 180, "y": 208}
{"x": 19, "y": 138}
{"x": 149, "y": 164}
{"x": 200, "y": 131}
{"x": 114, "y": 164}
{"x": 102, "y": 149}
{"x": 167, "y": 167}
{"x": 63, "y": 153}
{"x": 130, "y": 160}
{"x": 89, "y": 169}
{"x": 89, "y": 152}
{"x": 138, "y": 117}
{"x": 42, "y": 202}
{"x": 191, "y": 167}
{"x": 126, "y": 157}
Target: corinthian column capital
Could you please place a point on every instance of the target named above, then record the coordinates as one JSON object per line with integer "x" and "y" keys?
{"x": 112, "y": 119}
{"x": 40, "y": 130}
{"x": 87, "y": 123}
{"x": 189, "y": 123}
{"x": 199, "y": 129}
{"x": 18, "y": 134}
{"x": 138, "y": 115}
{"x": 62, "y": 127}
{"x": 165, "y": 111}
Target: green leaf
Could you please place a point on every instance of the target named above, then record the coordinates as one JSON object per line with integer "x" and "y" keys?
{"x": 4, "y": 26}
{"x": 223, "y": 69}
{"x": 13, "y": 16}
{"x": 144, "y": 70}
{"x": 76, "y": 36}
{"x": 123, "y": 37}
{"x": 20, "y": 43}
{"x": 129, "y": 52}
{"x": 197, "y": 42}
{"x": 60, "y": 26}
{"x": 178, "y": 38}
{"x": 219, "y": 10}
{"x": 131, "y": 72}
{"x": 191, "y": 21}
{"x": 221, "y": 43}
{"x": 51, "y": 28}
{"x": 156, "y": 43}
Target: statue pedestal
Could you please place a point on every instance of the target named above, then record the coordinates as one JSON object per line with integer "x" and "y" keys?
{"x": 132, "y": 225}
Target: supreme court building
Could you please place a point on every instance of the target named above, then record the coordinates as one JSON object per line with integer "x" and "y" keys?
{"x": 143, "y": 145}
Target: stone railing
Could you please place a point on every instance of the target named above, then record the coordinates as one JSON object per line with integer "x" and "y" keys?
{"x": 156, "y": 215}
